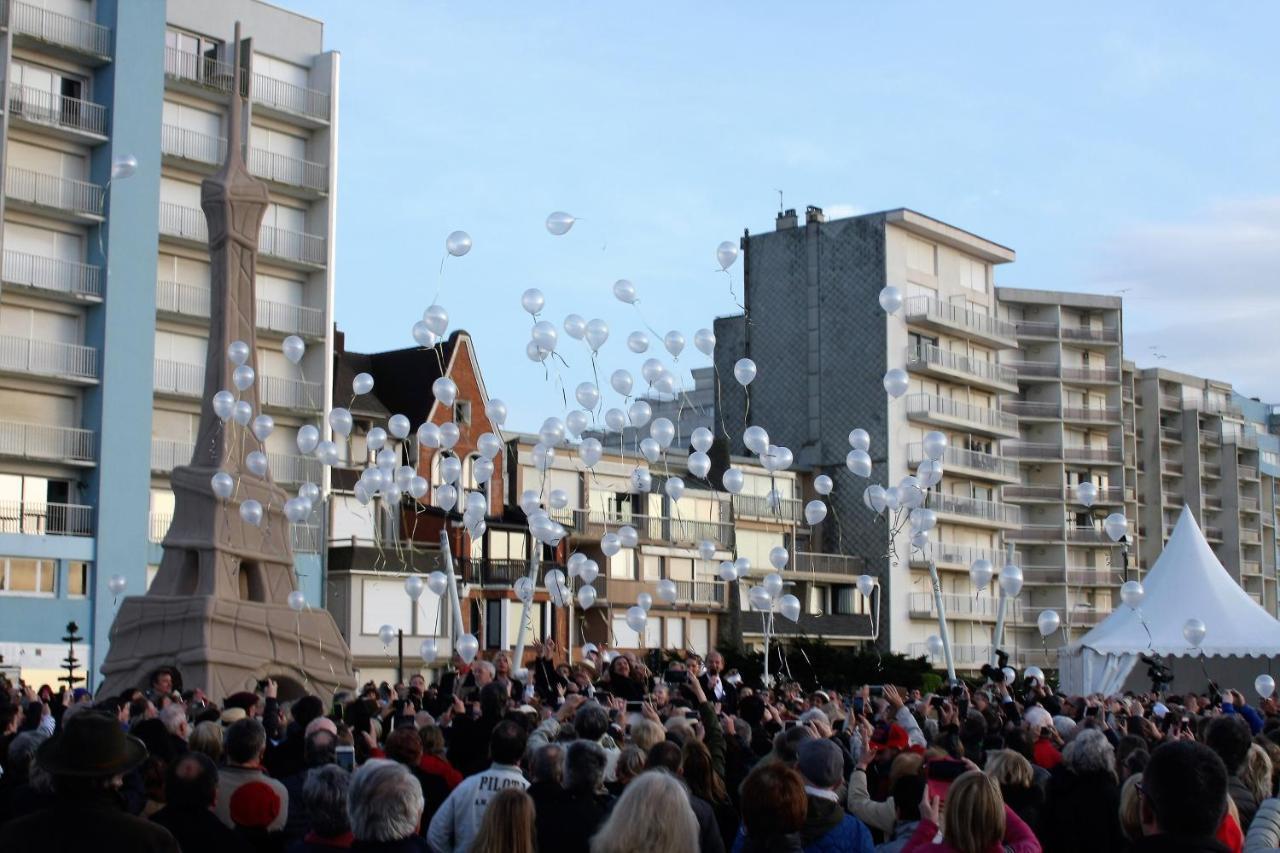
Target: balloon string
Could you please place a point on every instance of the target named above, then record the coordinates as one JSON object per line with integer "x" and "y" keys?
{"x": 719, "y": 404}
{"x": 746, "y": 315}
{"x": 440, "y": 277}
{"x": 644, "y": 322}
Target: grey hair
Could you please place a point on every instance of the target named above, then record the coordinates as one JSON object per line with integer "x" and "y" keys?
{"x": 653, "y": 814}
{"x": 173, "y": 716}
{"x": 591, "y": 721}
{"x": 814, "y": 714}
{"x": 324, "y": 793}
{"x": 742, "y": 728}
{"x": 1090, "y": 752}
{"x": 584, "y": 766}
{"x": 547, "y": 764}
{"x": 385, "y": 801}
{"x": 485, "y": 666}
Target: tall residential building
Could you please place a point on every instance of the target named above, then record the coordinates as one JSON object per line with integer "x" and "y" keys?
{"x": 1197, "y": 447}
{"x": 93, "y": 356}
{"x": 1075, "y": 414}
{"x": 822, "y": 345}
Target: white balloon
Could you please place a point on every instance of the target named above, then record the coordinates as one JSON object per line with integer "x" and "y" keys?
{"x": 1086, "y": 493}
{"x": 663, "y": 431}
{"x": 544, "y": 334}
{"x": 586, "y": 597}
{"x": 789, "y": 607}
{"x": 386, "y": 634}
{"x": 294, "y": 349}
{"x": 399, "y": 426}
{"x": 636, "y": 618}
{"x": 422, "y": 334}
{"x": 1048, "y": 621}
{"x": 744, "y": 370}
{"x": 262, "y": 427}
{"x": 242, "y": 412}
{"x": 1009, "y": 675}
{"x": 590, "y": 451}
{"x": 597, "y": 334}
{"x": 705, "y": 341}
{"x": 860, "y": 439}
{"x": 558, "y": 499}
{"x": 876, "y": 497}
{"x": 822, "y": 484}
{"x": 251, "y": 512}
{"x": 624, "y": 291}
{"x": 930, "y": 473}
{"x": 242, "y": 377}
{"x": 458, "y": 243}
{"x": 437, "y": 582}
{"x": 742, "y": 566}
{"x": 1116, "y": 526}
{"x": 116, "y": 584}
{"x": 328, "y": 454}
{"x": 238, "y": 352}
{"x": 532, "y": 300}
{"x": 418, "y": 487}
{"x": 923, "y": 519}
{"x": 706, "y": 549}
{"x": 639, "y": 412}
{"x": 699, "y": 464}
{"x": 733, "y": 480}
{"x": 859, "y": 462}
{"x": 644, "y": 600}
{"x": 890, "y": 299}
{"x": 429, "y": 651}
{"x": 1194, "y": 631}
{"x": 224, "y": 402}
{"x": 468, "y": 645}
{"x": 666, "y": 591}
{"x": 1265, "y": 685}
{"x": 756, "y": 440}
{"x": 524, "y": 588}
{"x": 123, "y": 166}
{"x": 297, "y": 600}
{"x": 437, "y": 320}
{"x": 934, "y": 445}
{"x": 1011, "y": 580}
{"x": 615, "y": 419}
{"x": 446, "y": 497}
{"x": 728, "y": 572}
{"x": 558, "y": 223}
{"x": 449, "y": 435}
{"x": 622, "y": 382}
{"x": 362, "y": 383}
{"x": 496, "y": 411}
{"x": 638, "y": 342}
{"x": 815, "y": 512}
{"x": 674, "y": 487}
{"x": 587, "y": 395}
{"x": 760, "y": 598}
{"x": 1132, "y": 593}
{"x": 934, "y": 644}
{"x": 340, "y": 421}
{"x": 674, "y": 342}
{"x": 575, "y": 326}
{"x": 702, "y": 439}
{"x": 981, "y": 573}
{"x": 488, "y": 445}
{"x": 896, "y": 382}
{"x": 428, "y": 435}
{"x": 726, "y": 254}
{"x": 778, "y": 557}
{"x": 610, "y": 544}
{"x": 628, "y": 536}
{"x": 650, "y": 449}
{"x": 920, "y": 540}
{"x": 1033, "y": 672}
{"x": 590, "y": 571}
{"x": 256, "y": 463}
{"x": 866, "y": 585}
{"x": 575, "y": 422}
{"x": 375, "y": 439}
{"x": 641, "y": 481}
{"x": 445, "y": 390}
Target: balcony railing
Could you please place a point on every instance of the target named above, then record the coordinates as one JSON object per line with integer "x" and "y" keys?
{"x": 1033, "y": 492}
{"x": 979, "y": 606}
{"x": 759, "y": 506}
{"x": 292, "y": 245}
{"x": 1032, "y": 409}
{"x": 980, "y": 369}
{"x": 48, "y": 358}
{"x": 962, "y": 654}
{"x": 1088, "y": 535}
{"x": 654, "y": 528}
{"x": 962, "y": 556}
{"x": 158, "y": 525}
{"x": 929, "y": 404}
{"x": 185, "y": 222}
{"x": 1094, "y": 577}
{"x": 51, "y": 191}
{"x": 1210, "y": 437}
{"x": 288, "y": 170}
{"x": 1091, "y": 374}
{"x": 972, "y": 460}
{"x": 1105, "y": 334}
{"x": 1038, "y": 533}
{"x": 1031, "y": 449}
{"x": 290, "y": 393}
{"x": 176, "y": 377}
{"x": 38, "y": 518}
{"x": 993, "y": 511}
{"x": 41, "y": 441}
{"x": 1250, "y": 567}
{"x": 192, "y": 145}
{"x": 829, "y": 564}
{"x": 205, "y": 71}
{"x": 167, "y": 454}
{"x": 193, "y": 301}
{"x": 55, "y": 28}
{"x": 1092, "y": 414}
{"x": 26, "y": 270}
{"x": 290, "y": 97}
{"x": 43, "y": 107}
{"x": 1075, "y": 453}
{"x": 1248, "y": 472}
{"x": 1037, "y": 328}
{"x": 1171, "y": 466}
{"x": 1171, "y": 401}
{"x": 928, "y": 308}
{"x": 1248, "y": 504}
{"x": 1171, "y": 434}
{"x": 1250, "y": 536}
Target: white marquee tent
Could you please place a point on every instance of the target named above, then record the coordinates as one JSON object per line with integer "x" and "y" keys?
{"x": 1187, "y": 582}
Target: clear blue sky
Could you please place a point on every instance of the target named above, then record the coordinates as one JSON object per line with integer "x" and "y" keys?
{"x": 1114, "y": 146}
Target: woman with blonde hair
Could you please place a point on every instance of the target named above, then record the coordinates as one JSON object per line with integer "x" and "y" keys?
{"x": 653, "y": 815}
{"x": 1131, "y": 808}
{"x": 1017, "y": 784}
{"x": 976, "y": 820}
{"x": 1256, "y": 772}
{"x": 507, "y": 825}
{"x": 207, "y": 738}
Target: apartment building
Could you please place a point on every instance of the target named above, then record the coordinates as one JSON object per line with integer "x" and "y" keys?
{"x": 1197, "y": 446}
{"x": 92, "y": 355}
{"x": 822, "y": 355}
{"x": 1076, "y": 422}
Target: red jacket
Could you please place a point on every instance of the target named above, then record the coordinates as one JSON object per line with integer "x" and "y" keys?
{"x": 1046, "y": 754}
{"x": 440, "y": 767}
{"x": 1018, "y": 837}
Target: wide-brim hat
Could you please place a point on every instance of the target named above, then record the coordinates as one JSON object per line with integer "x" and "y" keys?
{"x": 90, "y": 745}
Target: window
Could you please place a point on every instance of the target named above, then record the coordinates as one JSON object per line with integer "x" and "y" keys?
{"x": 973, "y": 275}
{"x": 680, "y": 568}
{"x": 675, "y": 633}
{"x": 818, "y": 599}
{"x": 921, "y": 256}
{"x": 622, "y": 564}
{"x": 25, "y": 576}
{"x": 78, "y": 579}
{"x": 917, "y": 342}
{"x": 462, "y": 413}
{"x": 652, "y": 567}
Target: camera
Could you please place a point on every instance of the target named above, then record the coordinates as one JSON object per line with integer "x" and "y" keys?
{"x": 995, "y": 674}
{"x": 1161, "y": 676}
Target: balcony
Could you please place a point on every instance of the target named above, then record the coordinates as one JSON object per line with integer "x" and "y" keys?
{"x": 195, "y": 147}
{"x": 501, "y": 573}
{"x": 191, "y": 300}
{"x": 950, "y": 556}
{"x": 959, "y": 319}
{"x": 77, "y": 35}
{"x": 69, "y": 117}
{"x": 167, "y": 454}
{"x": 703, "y": 593}
{"x": 189, "y": 224}
{"x": 1037, "y": 329}
{"x": 1172, "y": 402}
{"x": 79, "y": 201}
{"x": 1033, "y": 450}
{"x": 1171, "y": 434}
{"x": 971, "y": 462}
{"x": 758, "y": 506}
{"x": 1094, "y": 577}
{"x": 1211, "y": 471}
{"x": 1102, "y": 335}
{"x": 200, "y": 71}
{"x": 809, "y": 562}
{"x": 1090, "y": 374}
{"x": 1249, "y": 505}
{"x": 654, "y": 528}
{"x": 1088, "y": 536}
{"x": 1102, "y": 414}
{"x": 1250, "y": 535}
{"x": 1094, "y": 455}
{"x": 46, "y": 443}
{"x": 1250, "y": 567}
{"x": 1037, "y": 533}
{"x": 284, "y": 393}
{"x": 1035, "y": 370}
{"x": 1248, "y": 472}
{"x": 48, "y": 358}
{"x": 963, "y": 655}
{"x": 975, "y": 510}
{"x": 50, "y": 275}
{"x": 178, "y": 378}
{"x": 1032, "y": 410}
{"x": 38, "y": 518}
{"x": 948, "y": 364}
{"x": 1171, "y": 467}
{"x": 289, "y": 98}
{"x": 921, "y": 605}
{"x": 941, "y": 411}
{"x": 1211, "y": 438}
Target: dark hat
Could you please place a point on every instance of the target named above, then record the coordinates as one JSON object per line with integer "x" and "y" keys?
{"x": 244, "y": 699}
{"x": 91, "y": 744}
{"x": 820, "y": 762}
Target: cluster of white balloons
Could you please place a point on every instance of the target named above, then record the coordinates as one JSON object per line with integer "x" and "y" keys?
{"x": 909, "y": 494}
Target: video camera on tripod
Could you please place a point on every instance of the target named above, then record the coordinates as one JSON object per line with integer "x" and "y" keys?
{"x": 1161, "y": 676}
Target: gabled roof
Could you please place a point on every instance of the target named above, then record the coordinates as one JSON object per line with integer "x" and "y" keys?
{"x": 1188, "y": 582}
{"x": 401, "y": 379}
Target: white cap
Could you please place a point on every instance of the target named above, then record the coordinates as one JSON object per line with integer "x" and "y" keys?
{"x": 590, "y": 649}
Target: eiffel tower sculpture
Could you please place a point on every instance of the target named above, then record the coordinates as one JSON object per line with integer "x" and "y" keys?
{"x": 218, "y": 609}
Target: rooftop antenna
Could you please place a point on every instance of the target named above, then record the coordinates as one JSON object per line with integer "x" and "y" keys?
{"x": 780, "y": 205}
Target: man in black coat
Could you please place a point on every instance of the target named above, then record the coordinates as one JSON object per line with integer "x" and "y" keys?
{"x": 190, "y": 790}
{"x": 714, "y": 685}
{"x": 568, "y": 817}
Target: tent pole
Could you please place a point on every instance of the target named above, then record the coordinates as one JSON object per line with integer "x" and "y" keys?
{"x": 942, "y": 620}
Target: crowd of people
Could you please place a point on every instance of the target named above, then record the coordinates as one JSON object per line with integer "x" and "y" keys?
{"x": 611, "y": 756}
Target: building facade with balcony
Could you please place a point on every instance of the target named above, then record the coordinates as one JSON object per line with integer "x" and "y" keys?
{"x": 1203, "y": 445}
{"x": 90, "y": 359}
{"x": 822, "y": 356}
{"x": 1075, "y": 409}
